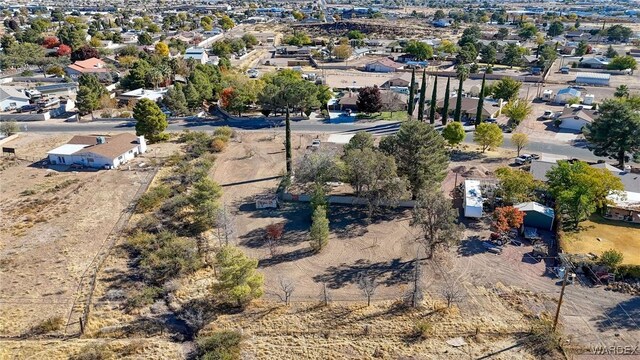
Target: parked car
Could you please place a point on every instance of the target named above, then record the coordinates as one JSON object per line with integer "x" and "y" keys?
{"x": 491, "y": 120}
{"x": 492, "y": 248}
{"x": 28, "y": 108}
{"x": 315, "y": 144}
{"x": 523, "y": 159}
{"x": 535, "y": 156}
{"x": 548, "y": 115}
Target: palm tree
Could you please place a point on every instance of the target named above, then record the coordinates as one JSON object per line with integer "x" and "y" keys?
{"x": 622, "y": 91}
{"x": 462, "y": 73}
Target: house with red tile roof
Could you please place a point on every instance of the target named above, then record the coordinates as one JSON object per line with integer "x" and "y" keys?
{"x": 89, "y": 66}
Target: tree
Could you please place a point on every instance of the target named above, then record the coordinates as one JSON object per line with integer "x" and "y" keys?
{"x": 63, "y": 50}
{"x": 162, "y": 49}
{"x": 422, "y": 99}
{"x": 238, "y": 279}
{"x": 454, "y": 133}
{"x": 369, "y": 99}
{"x": 611, "y": 53}
{"x": 488, "y": 55}
{"x": 250, "y": 40}
{"x": 361, "y": 140}
{"x": 462, "y": 73}
{"x": 611, "y": 258}
{"x": 420, "y": 154}
{"x": 517, "y": 110}
{"x": 226, "y": 23}
{"x": 506, "y": 88}
{"x": 9, "y": 128}
{"x": 412, "y": 94}
{"x": 622, "y": 63}
{"x": 84, "y": 52}
{"x": 55, "y": 70}
{"x": 618, "y": 33}
{"x": 145, "y": 39}
{"x": 502, "y": 34}
{"x": 318, "y": 167}
{"x": 367, "y": 284}
{"x": 435, "y": 215}
{"x": 507, "y": 218}
{"x": 91, "y": 81}
{"x": 488, "y": 136}
{"x": 274, "y": 233}
{"x": 86, "y": 100}
{"x": 481, "y": 96}
{"x": 318, "y": 197}
{"x": 204, "y": 200}
{"x": 622, "y": 91}
{"x": 519, "y": 140}
{"x": 582, "y": 48}
{"x": 342, "y": 51}
{"x": 433, "y": 105}
{"x": 616, "y": 132}
{"x": 467, "y": 54}
{"x": 419, "y": 50}
{"x": 447, "y": 47}
{"x": 50, "y": 42}
{"x": 579, "y": 189}
{"x": 175, "y": 100}
{"x": 439, "y": 14}
{"x": 516, "y": 185}
{"x": 555, "y": 29}
{"x": 527, "y": 31}
{"x": 512, "y": 55}
{"x": 298, "y": 15}
{"x": 324, "y": 95}
{"x": 150, "y": 120}
{"x": 445, "y": 106}
{"x": 319, "y": 232}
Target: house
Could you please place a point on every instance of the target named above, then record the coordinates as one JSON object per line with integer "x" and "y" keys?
{"x": 89, "y": 66}
{"x": 595, "y": 63}
{"x": 138, "y": 94}
{"x": 12, "y": 98}
{"x": 385, "y": 65}
{"x": 634, "y": 52}
{"x": 588, "y": 78}
{"x": 398, "y": 82}
{"x": 100, "y": 152}
{"x": 469, "y": 107}
{"x": 563, "y": 96}
{"x": 198, "y": 54}
{"x": 473, "y": 203}
{"x": 576, "y": 118}
{"x": 60, "y": 89}
{"x": 537, "y": 215}
{"x": 624, "y": 206}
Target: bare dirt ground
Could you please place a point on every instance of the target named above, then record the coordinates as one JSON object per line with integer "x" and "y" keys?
{"x": 53, "y": 225}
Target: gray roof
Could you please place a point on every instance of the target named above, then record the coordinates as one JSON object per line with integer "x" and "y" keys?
{"x": 9, "y": 92}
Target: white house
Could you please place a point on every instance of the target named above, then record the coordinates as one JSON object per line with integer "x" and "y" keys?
{"x": 12, "y": 98}
{"x": 564, "y": 95}
{"x": 98, "y": 151}
{"x": 139, "y": 94}
{"x": 595, "y": 63}
{"x": 472, "y": 199}
{"x": 384, "y": 66}
{"x": 576, "y": 119}
{"x": 198, "y": 54}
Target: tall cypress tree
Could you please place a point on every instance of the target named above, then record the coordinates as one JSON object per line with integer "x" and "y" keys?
{"x": 412, "y": 95}
{"x": 480, "y": 102}
{"x": 445, "y": 107}
{"x": 423, "y": 90}
{"x": 432, "y": 109}
{"x": 462, "y": 76}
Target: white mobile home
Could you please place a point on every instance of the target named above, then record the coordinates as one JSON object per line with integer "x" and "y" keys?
{"x": 98, "y": 151}
{"x": 472, "y": 199}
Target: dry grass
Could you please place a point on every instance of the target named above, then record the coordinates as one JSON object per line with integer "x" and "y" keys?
{"x": 613, "y": 235}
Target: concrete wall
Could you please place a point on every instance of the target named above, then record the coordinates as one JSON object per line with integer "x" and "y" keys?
{"x": 25, "y": 117}
{"x": 8, "y": 138}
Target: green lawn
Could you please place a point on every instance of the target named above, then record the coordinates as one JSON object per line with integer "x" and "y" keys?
{"x": 618, "y": 235}
{"x": 385, "y": 115}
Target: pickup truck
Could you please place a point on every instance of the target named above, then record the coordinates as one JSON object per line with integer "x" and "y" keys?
{"x": 526, "y": 158}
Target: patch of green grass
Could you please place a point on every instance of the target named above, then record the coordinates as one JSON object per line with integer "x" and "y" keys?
{"x": 385, "y": 115}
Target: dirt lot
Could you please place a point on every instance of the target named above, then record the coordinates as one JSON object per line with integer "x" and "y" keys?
{"x": 611, "y": 234}
{"x": 53, "y": 225}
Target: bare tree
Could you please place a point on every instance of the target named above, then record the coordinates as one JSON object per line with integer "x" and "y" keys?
{"x": 437, "y": 218}
{"x": 368, "y": 284}
{"x": 415, "y": 295}
{"x": 325, "y": 295}
{"x": 452, "y": 293}
{"x": 392, "y": 102}
{"x": 287, "y": 287}
{"x": 225, "y": 226}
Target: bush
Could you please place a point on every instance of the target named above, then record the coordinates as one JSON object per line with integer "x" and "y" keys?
{"x": 105, "y": 115}
{"x": 94, "y": 352}
{"x": 125, "y": 114}
{"x": 324, "y": 113}
{"x": 489, "y": 69}
{"x": 611, "y": 258}
{"x": 631, "y": 272}
{"x": 26, "y": 73}
{"x": 54, "y": 323}
{"x": 222, "y": 345}
{"x": 144, "y": 297}
{"x": 168, "y": 256}
{"x": 423, "y": 329}
{"x": 218, "y": 145}
{"x": 224, "y": 131}
{"x": 152, "y": 198}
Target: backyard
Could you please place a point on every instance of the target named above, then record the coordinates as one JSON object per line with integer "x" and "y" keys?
{"x": 598, "y": 235}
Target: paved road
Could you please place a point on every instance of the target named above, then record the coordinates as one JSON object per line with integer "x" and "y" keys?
{"x": 542, "y": 146}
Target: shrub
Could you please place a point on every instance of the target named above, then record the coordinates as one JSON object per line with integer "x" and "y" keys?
{"x": 629, "y": 272}
{"x": 144, "y": 297}
{"x": 125, "y": 114}
{"x": 105, "y": 115}
{"x": 218, "y": 145}
{"x": 611, "y": 258}
{"x": 324, "y": 113}
{"x": 489, "y": 69}
{"x": 94, "y": 352}
{"x": 222, "y": 345}
{"x": 26, "y": 73}
{"x": 54, "y": 323}
{"x": 224, "y": 131}
{"x": 167, "y": 256}
{"x": 543, "y": 340}
{"x": 152, "y": 198}
{"x": 423, "y": 329}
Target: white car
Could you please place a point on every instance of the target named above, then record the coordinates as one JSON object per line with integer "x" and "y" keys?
{"x": 548, "y": 115}
{"x": 523, "y": 159}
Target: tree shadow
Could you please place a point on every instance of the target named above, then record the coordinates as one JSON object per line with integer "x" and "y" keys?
{"x": 471, "y": 246}
{"x": 461, "y": 156}
{"x": 352, "y": 221}
{"x": 388, "y": 273}
{"x": 286, "y": 257}
{"x": 624, "y": 315}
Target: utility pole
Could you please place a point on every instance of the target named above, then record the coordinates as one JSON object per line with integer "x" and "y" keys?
{"x": 564, "y": 283}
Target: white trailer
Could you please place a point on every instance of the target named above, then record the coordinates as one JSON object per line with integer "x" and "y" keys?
{"x": 472, "y": 199}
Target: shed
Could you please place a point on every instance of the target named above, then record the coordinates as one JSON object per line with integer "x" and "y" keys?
{"x": 537, "y": 215}
{"x": 564, "y": 95}
{"x": 472, "y": 199}
{"x": 589, "y": 78}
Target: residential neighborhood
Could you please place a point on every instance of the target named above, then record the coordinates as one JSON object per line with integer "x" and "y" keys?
{"x": 319, "y": 180}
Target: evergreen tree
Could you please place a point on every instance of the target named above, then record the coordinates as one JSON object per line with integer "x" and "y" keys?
{"x": 175, "y": 100}
{"x": 412, "y": 89}
{"x": 319, "y": 231}
{"x": 423, "y": 90}
{"x": 433, "y": 105}
{"x": 86, "y": 100}
{"x": 150, "y": 120}
{"x": 445, "y": 107}
{"x": 480, "y": 102}
{"x": 463, "y": 74}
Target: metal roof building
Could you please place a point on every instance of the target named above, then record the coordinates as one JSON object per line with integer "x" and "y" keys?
{"x": 589, "y": 78}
